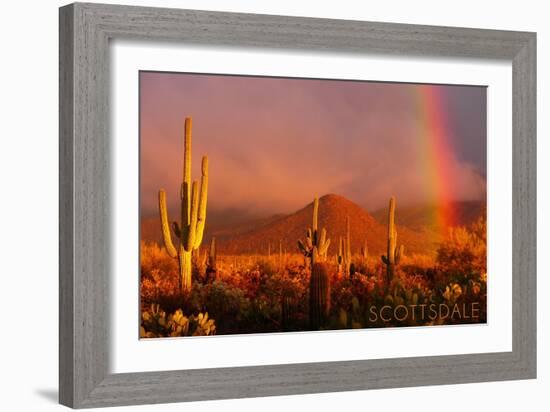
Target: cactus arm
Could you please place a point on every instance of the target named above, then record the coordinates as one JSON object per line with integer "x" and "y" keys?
{"x": 322, "y": 237}
{"x": 399, "y": 254}
{"x": 192, "y": 229}
{"x": 322, "y": 241}
{"x": 187, "y": 153}
{"x": 166, "y": 237}
{"x": 185, "y": 211}
{"x": 303, "y": 248}
{"x": 176, "y": 229}
{"x": 186, "y": 184}
{"x": 323, "y": 249}
{"x": 315, "y": 214}
{"x": 391, "y": 231}
{"x": 202, "y": 202}
{"x": 309, "y": 239}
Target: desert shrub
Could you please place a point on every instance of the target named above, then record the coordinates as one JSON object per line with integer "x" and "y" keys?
{"x": 256, "y": 294}
{"x": 266, "y": 267}
{"x": 159, "y": 277}
{"x": 225, "y": 303}
{"x": 154, "y": 257}
{"x": 418, "y": 265}
{"x": 463, "y": 255}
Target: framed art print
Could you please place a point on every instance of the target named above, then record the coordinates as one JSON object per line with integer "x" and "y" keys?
{"x": 260, "y": 252}
{"x": 256, "y": 191}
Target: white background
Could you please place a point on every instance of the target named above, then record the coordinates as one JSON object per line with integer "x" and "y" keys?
{"x": 28, "y": 173}
{"x": 132, "y": 355}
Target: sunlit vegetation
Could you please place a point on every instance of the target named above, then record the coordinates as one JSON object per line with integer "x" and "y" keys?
{"x": 257, "y": 293}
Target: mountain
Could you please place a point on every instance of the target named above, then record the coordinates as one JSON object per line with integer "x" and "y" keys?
{"x": 333, "y": 210}
{"x": 241, "y": 233}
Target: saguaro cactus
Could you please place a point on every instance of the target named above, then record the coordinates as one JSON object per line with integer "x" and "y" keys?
{"x": 347, "y": 249}
{"x": 317, "y": 244}
{"x": 365, "y": 251}
{"x": 190, "y": 229}
{"x": 211, "y": 264}
{"x": 393, "y": 256}
{"x": 319, "y": 296}
{"x": 340, "y": 255}
{"x": 344, "y": 252}
{"x": 365, "y": 255}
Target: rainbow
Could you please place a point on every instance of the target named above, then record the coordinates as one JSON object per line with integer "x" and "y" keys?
{"x": 435, "y": 152}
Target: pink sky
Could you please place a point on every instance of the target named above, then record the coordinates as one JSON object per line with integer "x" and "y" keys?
{"x": 273, "y": 143}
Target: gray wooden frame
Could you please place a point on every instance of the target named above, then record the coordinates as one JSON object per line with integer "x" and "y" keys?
{"x": 85, "y": 31}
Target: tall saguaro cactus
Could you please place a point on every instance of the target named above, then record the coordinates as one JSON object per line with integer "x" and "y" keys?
{"x": 317, "y": 244}
{"x": 393, "y": 256}
{"x": 190, "y": 229}
{"x": 344, "y": 252}
{"x": 347, "y": 249}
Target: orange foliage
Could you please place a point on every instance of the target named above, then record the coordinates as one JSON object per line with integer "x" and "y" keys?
{"x": 465, "y": 250}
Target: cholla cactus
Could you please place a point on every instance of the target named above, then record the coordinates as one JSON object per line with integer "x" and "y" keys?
{"x": 190, "y": 229}
{"x": 317, "y": 244}
{"x": 394, "y": 253}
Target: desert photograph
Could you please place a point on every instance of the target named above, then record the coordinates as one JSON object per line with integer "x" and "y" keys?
{"x": 272, "y": 205}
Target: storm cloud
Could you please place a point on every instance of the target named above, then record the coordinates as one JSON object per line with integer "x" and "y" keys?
{"x": 274, "y": 143}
